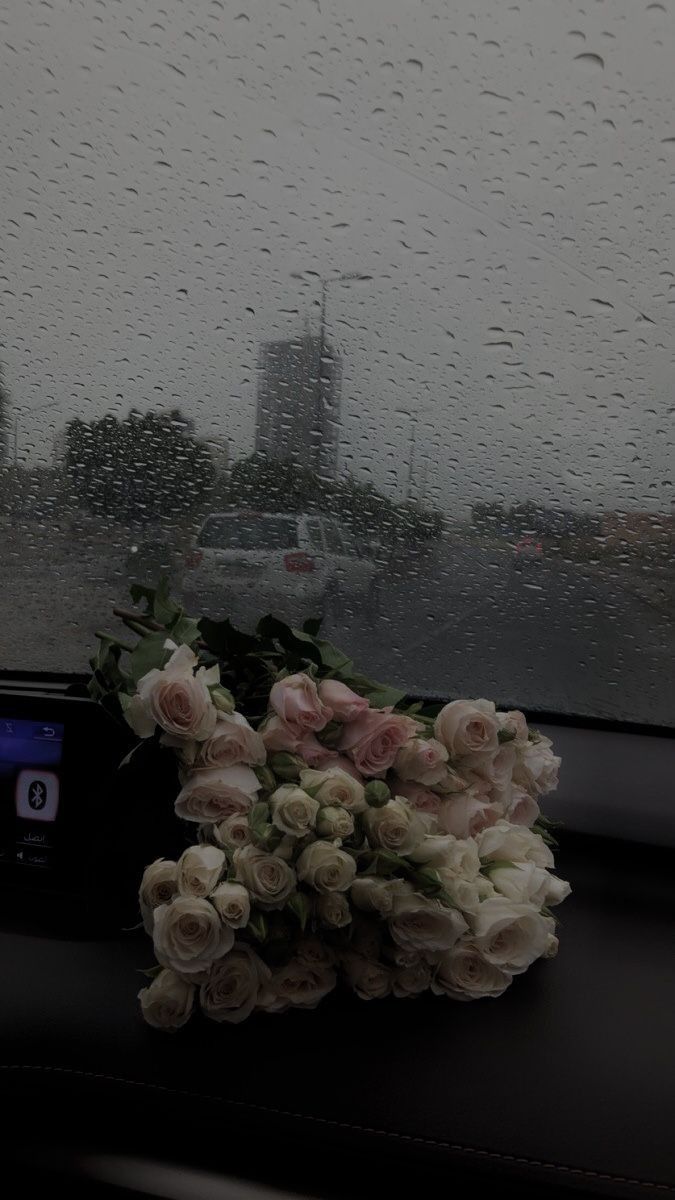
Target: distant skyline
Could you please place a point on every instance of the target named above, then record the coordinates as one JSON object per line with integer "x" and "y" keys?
{"x": 505, "y": 175}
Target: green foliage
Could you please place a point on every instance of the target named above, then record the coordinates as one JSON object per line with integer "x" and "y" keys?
{"x": 146, "y": 466}
{"x": 263, "y": 483}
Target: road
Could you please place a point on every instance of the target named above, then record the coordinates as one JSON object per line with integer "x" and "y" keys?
{"x": 455, "y": 619}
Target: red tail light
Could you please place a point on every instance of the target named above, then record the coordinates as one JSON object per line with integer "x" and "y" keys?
{"x": 298, "y": 561}
{"x": 193, "y": 559}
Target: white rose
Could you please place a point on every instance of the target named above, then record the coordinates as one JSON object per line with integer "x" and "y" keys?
{"x": 496, "y": 769}
{"x": 199, "y": 869}
{"x": 464, "y": 974}
{"x": 234, "y": 985}
{"x": 269, "y": 878}
{"x": 293, "y": 811}
{"x": 468, "y": 727}
{"x": 514, "y": 843}
{"x": 232, "y": 901}
{"x": 526, "y": 882}
{"x": 467, "y": 894}
{"x": 395, "y": 827}
{"x": 521, "y": 808}
{"x": 422, "y": 760}
{"x": 301, "y": 984}
{"x": 537, "y": 767}
{"x": 459, "y": 855}
{"x": 233, "y": 832}
{"x": 189, "y": 935}
{"x": 372, "y": 894}
{"x": 334, "y": 822}
{"x": 551, "y": 946}
{"x": 426, "y": 925}
{"x": 315, "y": 952}
{"x": 211, "y": 796}
{"x": 557, "y": 891}
{"x": 158, "y": 886}
{"x": 465, "y": 813}
{"x": 510, "y": 935}
{"x": 412, "y": 979}
{"x": 175, "y": 698}
{"x": 325, "y": 867}
{"x": 232, "y": 743}
{"x": 168, "y": 1001}
{"x": 332, "y": 909}
{"x": 370, "y": 980}
{"x": 335, "y": 786}
{"x": 514, "y": 722}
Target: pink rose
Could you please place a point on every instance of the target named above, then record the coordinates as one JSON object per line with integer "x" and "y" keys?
{"x": 314, "y": 754}
{"x": 345, "y": 703}
{"x": 346, "y": 764}
{"x": 496, "y": 769}
{"x": 468, "y": 727}
{"x": 465, "y": 813}
{"x": 296, "y": 700}
{"x": 418, "y": 796}
{"x": 214, "y": 795}
{"x": 422, "y": 760}
{"x": 374, "y": 739}
{"x": 233, "y": 741}
{"x": 175, "y": 698}
{"x": 277, "y": 734}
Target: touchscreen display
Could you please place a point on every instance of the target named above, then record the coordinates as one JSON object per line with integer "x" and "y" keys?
{"x": 30, "y": 784}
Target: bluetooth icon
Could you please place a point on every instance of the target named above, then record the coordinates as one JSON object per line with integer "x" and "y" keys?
{"x": 37, "y": 795}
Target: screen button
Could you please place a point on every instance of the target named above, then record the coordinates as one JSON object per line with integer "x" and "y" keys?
{"x": 37, "y": 795}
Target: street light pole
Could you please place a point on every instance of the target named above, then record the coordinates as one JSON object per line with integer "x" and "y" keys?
{"x": 318, "y": 380}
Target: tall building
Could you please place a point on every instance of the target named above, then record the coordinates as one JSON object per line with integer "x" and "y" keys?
{"x": 298, "y": 414}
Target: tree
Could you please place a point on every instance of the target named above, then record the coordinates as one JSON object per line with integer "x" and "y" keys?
{"x": 265, "y": 484}
{"x": 144, "y": 468}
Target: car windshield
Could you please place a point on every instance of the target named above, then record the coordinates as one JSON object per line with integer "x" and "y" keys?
{"x": 404, "y": 266}
{"x": 250, "y": 533}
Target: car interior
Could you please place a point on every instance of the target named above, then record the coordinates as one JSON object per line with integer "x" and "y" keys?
{"x": 345, "y": 325}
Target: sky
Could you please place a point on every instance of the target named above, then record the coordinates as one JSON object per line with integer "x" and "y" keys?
{"x": 504, "y": 174}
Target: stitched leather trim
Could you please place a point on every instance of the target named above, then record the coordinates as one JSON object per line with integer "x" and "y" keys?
{"x": 455, "y": 1147}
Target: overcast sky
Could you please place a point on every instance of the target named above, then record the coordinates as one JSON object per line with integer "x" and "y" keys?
{"x": 505, "y": 172}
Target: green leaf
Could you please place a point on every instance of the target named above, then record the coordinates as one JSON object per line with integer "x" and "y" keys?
{"x": 385, "y": 862}
{"x": 506, "y": 735}
{"x": 150, "y": 653}
{"x": 258, "y": 926}
{"x": 428, "y": 881}
{"x": 185, "y": 630}
{"x": 165, "y": 610}
{"x": 293, "y": 641}
{"x": 107, "y": 673}
{"x": 496, "y": 864}
{"x": 225, "y": 641}
{"x": 380, "y": 695}
{"x": 152, "y": 972}
{"x": 334, "y": 659}
{"x": 140, "y": 591}
{"x": 312, "y": 626}
{"x": 300, "y": 907}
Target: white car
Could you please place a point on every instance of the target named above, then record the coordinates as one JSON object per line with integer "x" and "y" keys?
{"x": 244, "y": 565}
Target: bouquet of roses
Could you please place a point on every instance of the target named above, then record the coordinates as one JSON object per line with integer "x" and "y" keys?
{"x": 340, "y": 834}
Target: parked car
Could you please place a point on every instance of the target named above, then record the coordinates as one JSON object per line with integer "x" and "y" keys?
{"x": 296, "y": 565}
{"x": 528, "y": 552}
